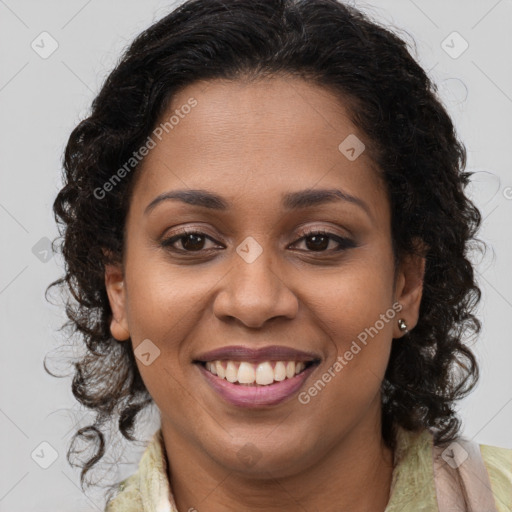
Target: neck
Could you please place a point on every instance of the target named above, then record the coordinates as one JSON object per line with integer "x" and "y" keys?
{"x": 339, "y": 481}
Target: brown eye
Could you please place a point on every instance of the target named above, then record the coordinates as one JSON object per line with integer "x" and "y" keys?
{"x": 315, "y": 241}
{"x": 191, "y": 241}
{"x": 318, "y": 241}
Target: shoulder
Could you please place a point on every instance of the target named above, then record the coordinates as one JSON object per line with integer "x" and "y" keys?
{"x": 128, "y": 498}
{"x": 498, "y": 462}
{"x": 428, "y": 476}
{"x": 148, "y": 488}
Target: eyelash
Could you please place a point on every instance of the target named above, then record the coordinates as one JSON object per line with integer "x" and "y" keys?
{"x": 344, "y": 243}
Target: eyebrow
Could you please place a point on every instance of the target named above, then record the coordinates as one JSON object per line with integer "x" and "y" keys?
{"x": 291, "y": 201}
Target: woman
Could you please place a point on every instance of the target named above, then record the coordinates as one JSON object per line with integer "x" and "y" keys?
{"x": 265, "y": 230}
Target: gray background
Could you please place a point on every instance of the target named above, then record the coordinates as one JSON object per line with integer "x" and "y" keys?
{"x": 42, "y": 99}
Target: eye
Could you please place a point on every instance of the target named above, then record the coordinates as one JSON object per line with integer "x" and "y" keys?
{"x": 190, "y": 240}
{"x": 318, "y": 241}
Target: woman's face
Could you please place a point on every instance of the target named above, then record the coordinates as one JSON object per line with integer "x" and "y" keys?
{"x": 267, "y": 159}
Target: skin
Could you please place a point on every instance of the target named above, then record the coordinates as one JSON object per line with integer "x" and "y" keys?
{"x": 251, "y": 143}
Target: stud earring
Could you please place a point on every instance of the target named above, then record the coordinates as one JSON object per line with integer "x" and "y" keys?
{"x": 402, "y": 325}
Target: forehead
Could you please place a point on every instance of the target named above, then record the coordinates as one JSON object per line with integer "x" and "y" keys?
{"x": 258, "y": 140}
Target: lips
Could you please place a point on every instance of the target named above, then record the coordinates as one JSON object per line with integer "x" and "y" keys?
{"x": 254, "y": 397}
{"x": 252, "y": 355}
{"x": 270, "y": 360}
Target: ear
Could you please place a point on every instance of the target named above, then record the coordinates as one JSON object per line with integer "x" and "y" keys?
{"x": 114, "y": 283}
{"x": 409, "y": 287}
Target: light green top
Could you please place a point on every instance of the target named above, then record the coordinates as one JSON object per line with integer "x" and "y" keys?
{"x": 412, "y": 489}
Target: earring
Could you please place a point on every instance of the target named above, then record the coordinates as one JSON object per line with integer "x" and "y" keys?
{"x": 402, "y": 325}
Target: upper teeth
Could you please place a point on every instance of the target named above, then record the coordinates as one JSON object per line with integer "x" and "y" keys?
{"x": 248, "y": 373}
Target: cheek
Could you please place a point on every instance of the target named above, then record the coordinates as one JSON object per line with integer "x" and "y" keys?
{"x": 162, "y": 299}
{"x": 353, "y": 307}
{"x": 356, "y": 314}
{"x": 164, "y": 306}
{"x": 351, "y": 299}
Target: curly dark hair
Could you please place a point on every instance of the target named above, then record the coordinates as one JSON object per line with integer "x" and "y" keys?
{"x": 410, "y": 138}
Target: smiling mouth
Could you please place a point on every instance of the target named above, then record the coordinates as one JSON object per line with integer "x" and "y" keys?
{"x": 264, "y": 373}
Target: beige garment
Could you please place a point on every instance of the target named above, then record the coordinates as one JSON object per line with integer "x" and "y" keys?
{"x": 461, "y": 478}
{"x": 413, "y": 488}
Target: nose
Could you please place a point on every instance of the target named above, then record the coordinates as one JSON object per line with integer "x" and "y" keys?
{"x": 254, "y": 293}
